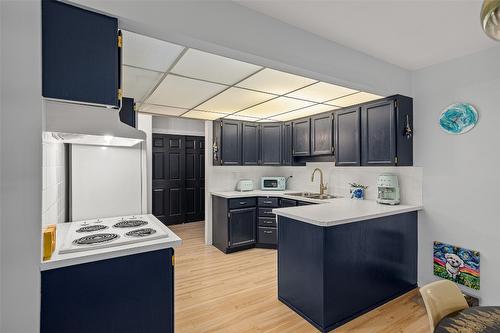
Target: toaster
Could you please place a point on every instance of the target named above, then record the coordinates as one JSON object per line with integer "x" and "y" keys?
{"x": 244, "y": 185}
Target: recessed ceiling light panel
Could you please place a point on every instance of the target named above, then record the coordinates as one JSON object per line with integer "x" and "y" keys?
{"x": 321, "y": 92}
{"x": 305, "y": 112}
{"x": 163, "y": 110}
{"x": 211, "y": 67}
{"x": 274, "y": 107}
{"x": 234, "y": 99}
{"x": 354, "y": 99}
{"x": 275, "y": 82}
{"x": 195, "y": 114}
{"x": 138, "y": 82}
{"x": 183, "y": 92}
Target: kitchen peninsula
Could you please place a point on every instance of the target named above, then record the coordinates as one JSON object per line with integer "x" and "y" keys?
{"x": 343, "y": 258}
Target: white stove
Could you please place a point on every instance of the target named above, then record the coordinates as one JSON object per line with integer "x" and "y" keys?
{"x": 114, "y": 231}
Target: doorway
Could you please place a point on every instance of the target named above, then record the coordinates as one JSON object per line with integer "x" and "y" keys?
{"x": 178, "y": 178}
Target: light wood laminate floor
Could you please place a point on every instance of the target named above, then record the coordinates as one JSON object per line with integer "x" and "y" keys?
{"x": 237, "y": 293}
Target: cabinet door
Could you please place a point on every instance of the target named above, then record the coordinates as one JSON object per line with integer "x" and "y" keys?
{"x": 230, "y": 142}
{"x": 288, "y": 203}
{"x": 321, "y": 134}
{"x": 286, "y": 149}
{"x": 127, "y": 112}
{"x": 242, "y": 226}
{"x": 80, "y": 55}
{"x": 347, "y": 137}
{"x": 271, "y": 144}
{"x": 378, "y": 133}
{"x": 250, "y": 143}
{"x": 301, "y": 131}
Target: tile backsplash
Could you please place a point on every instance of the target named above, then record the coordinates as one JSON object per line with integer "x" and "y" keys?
{"x": 54, "y": 194}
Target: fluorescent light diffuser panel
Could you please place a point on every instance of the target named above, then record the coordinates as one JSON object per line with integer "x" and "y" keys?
{"x": 358, "y": 98}
{"x": 275, "y": 82}
{"x": 163, "y": 110}
{"x": 149, "y": 53}
{"x": 321, "y": 92}
{"x": 182, "y": 92}
{"x": 274, "y": 107}
{"x": 234, "y": 99}
{"x": 138, "y": 82}
{"x": 211, "y": 67}
{"x": 305, "y": 112}
{"x": 242, "y": 118}
{"x": 195, "y": 114}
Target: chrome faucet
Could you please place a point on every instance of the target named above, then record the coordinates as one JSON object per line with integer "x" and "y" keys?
{"x": 322, "y": 186}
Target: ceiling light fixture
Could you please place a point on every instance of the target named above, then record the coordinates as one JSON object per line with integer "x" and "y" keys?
{"x": 490, "y": 18}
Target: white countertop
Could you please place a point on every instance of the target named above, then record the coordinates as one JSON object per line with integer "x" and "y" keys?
{"x": 329, "y": 212}
{"x": 342, "y": 210}
{"x": 69, "y": 259}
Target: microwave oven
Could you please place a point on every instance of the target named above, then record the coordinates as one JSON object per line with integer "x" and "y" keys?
{"x": 273, "y": 183}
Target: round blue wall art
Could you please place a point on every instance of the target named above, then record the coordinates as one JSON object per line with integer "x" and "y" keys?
{"x": 458, "y": 118}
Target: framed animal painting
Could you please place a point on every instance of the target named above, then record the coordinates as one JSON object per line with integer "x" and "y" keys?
{"x": 457, "y": 264}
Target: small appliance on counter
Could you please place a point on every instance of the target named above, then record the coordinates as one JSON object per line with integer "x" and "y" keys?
{"x": 244, "y": 185}
{"x": 273, "y": 183}
{"x": 388, "y": 189}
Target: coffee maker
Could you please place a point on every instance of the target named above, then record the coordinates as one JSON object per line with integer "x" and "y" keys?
{"x": 388, "y": 189}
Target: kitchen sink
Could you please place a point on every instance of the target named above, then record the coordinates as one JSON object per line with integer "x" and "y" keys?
{"x": 312, "y": 195}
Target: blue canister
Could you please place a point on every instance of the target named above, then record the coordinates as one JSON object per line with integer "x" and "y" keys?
{"x": 357, "y": 193}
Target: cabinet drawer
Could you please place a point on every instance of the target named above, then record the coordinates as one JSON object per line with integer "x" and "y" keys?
{"x": 268, "y": 202}
{"x": 288, "y": 203}
{"x": 268, "y": 235}
{"x": 267, "y": 222}
{"x": 242, "y": 203}
{"x": 266, "y": 212}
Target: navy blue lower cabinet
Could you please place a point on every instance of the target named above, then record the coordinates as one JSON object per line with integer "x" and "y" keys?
{"x": 331, "y": 275}
{"x": 130, "y": 294}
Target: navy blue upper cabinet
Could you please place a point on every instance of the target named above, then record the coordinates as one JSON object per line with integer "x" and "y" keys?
{"x": 80, "y": 55}
{"x": 385, "y": 138}
{"x": 230, "y": 142}
{"x": 301, "y": 137}
{"x": 322, "y": 134}
{"x": 127, "y": 112}
{"x": 347, "y": 137}
{"x": 250, "y": 137}
{"x": 286, "y": 151}
{"x": 271, "y": 138}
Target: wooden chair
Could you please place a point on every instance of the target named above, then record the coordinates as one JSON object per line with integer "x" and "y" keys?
{"x": 442, "y": 298}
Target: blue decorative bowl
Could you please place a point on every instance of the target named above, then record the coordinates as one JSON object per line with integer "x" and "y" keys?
{"x": 357, "y": 193}
{"x": 458, "y": 118}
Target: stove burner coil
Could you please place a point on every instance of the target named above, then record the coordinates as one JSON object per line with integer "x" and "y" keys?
{"x": 95, "y": 239}
{"x": 92, "y": 228}
{"x": 130, "y": 224}
{"x": 141, "y": 232}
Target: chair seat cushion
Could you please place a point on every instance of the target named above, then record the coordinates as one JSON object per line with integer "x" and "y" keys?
{"x": 480, "y": 319}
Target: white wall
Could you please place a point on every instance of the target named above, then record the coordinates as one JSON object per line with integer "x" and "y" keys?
{"x": 228, "y": 29}
{"x": 54, "y": 194}
{"x": 461, "y": 171}
{"x": 21, "y": 166}
{"x": 178, "y": 126}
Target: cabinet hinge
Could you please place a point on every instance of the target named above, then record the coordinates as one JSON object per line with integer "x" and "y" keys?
{"x": 173, "y": 260}
{"x": 120, "y": 94}
{"x": 396, "y": 160}
{"x": 396, "y": 104}
{"x": 220, "y": 123}
{"x": 228, "y": 215}
{"x": 120, "y": 41}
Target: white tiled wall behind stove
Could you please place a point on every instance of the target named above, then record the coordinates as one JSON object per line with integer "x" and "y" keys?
{"x": 54, "y": 196}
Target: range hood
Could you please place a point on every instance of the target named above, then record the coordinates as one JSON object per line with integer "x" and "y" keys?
{"x": 88, "y": 125}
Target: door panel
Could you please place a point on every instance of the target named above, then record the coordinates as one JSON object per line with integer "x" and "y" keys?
{"x": 347, "y": 137}
{"x": 242, "y": 226}
{"x": 195, "y": 178}
{"x": 286, "y": 150}
{"x": 301, "y": 134}
{"x": 321, "y": 134}
{"x": 230, "y": 142}
{"x": 271, "y": 144}
{"x": 250, "y": 143}
{"x": 378, "y": 133}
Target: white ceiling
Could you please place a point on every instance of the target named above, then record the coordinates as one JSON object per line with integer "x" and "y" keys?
{"x": 408, "y": 33}
{"x": 168, "y": 79}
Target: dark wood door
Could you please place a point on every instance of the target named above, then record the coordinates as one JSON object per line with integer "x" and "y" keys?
{"x": 347, "y": 137}
{"x": 301, "y": 137}
{"x": 250, "y": 143}
{"x": 271, "y": 137}
{"x": 322, "y": 134}
{"x": 168, "y": 178}
{"x": 80, "y": 55}
{"x": 378, "y": 133}
{"x": 286, "y": 149}
{"x": 242, "y": 226}
{"x": 195, "y": 178}
{"x": 230, "y": 142}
